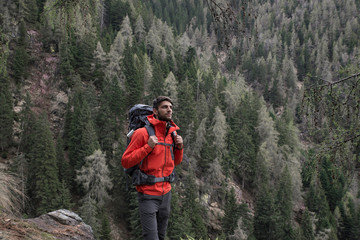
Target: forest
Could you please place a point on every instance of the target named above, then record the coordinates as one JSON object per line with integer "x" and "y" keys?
{"x": 266, "y": 94}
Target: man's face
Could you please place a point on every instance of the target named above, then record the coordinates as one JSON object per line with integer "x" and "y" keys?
{"x": 164, "y": 111}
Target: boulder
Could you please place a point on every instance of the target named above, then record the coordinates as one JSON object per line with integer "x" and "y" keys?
{"x": 64, "y": 224}
{"x": 60, "y": 224}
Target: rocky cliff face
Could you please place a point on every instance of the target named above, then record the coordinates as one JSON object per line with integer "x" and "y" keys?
{"x": 60, "y": 224}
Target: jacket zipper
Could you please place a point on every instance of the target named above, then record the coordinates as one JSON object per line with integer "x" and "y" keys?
{"x": 162, "y": 172}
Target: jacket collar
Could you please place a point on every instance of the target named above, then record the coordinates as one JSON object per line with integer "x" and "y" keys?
{"x": 162, "y": 124}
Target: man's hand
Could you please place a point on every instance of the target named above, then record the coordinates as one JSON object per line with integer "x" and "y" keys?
{"x": 178, "y": 142}
{"x": 153, "y": 140}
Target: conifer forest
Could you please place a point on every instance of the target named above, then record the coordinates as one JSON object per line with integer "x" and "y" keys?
{"x": 266, "y": 94}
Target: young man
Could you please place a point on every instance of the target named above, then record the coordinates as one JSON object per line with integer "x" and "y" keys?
{"x": 159, "y": 159}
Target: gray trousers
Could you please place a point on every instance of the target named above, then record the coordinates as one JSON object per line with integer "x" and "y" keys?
{"x": 154, "y": 215}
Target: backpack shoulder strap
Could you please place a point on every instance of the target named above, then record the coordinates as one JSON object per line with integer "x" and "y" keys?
{"x": 150, "y": 128}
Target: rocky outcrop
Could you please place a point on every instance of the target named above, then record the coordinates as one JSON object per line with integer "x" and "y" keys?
{"x": 60, "y": 224}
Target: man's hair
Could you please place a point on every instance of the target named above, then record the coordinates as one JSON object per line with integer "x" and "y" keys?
{"x": 160, "y": 99}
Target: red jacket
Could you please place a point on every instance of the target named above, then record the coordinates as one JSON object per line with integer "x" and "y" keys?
{"x": 159, "y": 163}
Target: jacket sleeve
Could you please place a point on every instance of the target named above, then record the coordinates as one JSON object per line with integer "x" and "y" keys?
{"x": 178, "y": 156}
{"x": 137, "y": 149}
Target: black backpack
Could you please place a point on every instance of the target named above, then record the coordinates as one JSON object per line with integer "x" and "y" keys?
{"x": 138, "y": 119}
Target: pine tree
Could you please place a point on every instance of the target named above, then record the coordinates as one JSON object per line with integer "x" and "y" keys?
{"x": 134, "y": 76}
{"x": 105, "y": 230}
{"x": 82, "y": 138}
{"x": 89, "y": 213}
{"x": 66, "y": 68}
{"x": 186, "y": 114}
{"x": 265, "y": 218}
{"x": 333, "y": 183}
{"x": 31, "y": 11}
{"x": 140, "y": 29}
{"x": 307, "y": 231}
{"x": 193, "y": 209}
{"x": 62, "y": 163}
{"x": 170, "y": 88}
{"x": 43, "y": 182}
{"x": 268, "y": 149}
{"x": 133, "y": 216}
{"x": 64, "y": 196}
{"x": 284, "y": 205}
{"x": 6, "y": 110}
{"x": 231, "y": 215}
{"x": 157, "y": 81}
{"x": 106, "y": 127}
{"x": 177, "y": 222}
{"x": 94, "y": 177}
{"x": 98, "y": 66}
{"x": 220, "y": 128}
{"x": 21, "y": 59}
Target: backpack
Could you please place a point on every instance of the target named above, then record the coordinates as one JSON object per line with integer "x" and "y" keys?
{"x": 138, "y": 119}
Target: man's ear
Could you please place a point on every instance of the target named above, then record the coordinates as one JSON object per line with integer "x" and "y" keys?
{"x": 155, "y": 111}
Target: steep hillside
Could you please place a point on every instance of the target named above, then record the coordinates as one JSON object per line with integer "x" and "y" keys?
{"x": 265, "y": 93}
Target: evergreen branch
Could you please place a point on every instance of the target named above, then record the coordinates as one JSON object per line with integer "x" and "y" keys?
{"x": 333, "y": 83}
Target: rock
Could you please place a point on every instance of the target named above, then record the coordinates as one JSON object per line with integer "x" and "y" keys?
{"x": 64, "y": 224}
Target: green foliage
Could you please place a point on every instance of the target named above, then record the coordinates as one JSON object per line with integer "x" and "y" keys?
{"x": 178, "y": 222}
{"x": 117, "y": 10}
{"x": 134, "y": 84}
{"x": 284, "y": 204}
{"x": 105, "y": 230}
{"x": 177, "y": 14}
{"x": 32, "y": 10}
{"x": 317, "y": 202}
{"x": 43, "y": 181}
{"x": 265, "y": 218}
{"x": 349, "y": 220}
{"x": 20, "y": 64}
{"x": 65, "y": 199}
{"x": 307, "y": 231}
{"x": 62, "y": 163}
{"x": 133, "y": 216}
{"x": 81, "y": 134}
{"x": 231, "y": 216}
{"x": 193, "y": 210}
{"x": 66, "y": 69}
{"x": 243, "y": 139}
{"x": 6, "y": 110}
{"x": 333, "y": 182}
{"x": 81, "y": 50}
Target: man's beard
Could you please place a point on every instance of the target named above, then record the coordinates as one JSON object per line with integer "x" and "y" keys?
{"x": 163, "y": 118}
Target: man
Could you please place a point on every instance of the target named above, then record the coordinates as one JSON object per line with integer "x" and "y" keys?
{"x": 159, "y": 159}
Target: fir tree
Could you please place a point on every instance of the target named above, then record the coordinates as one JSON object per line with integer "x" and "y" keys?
{"x": 158, "y": 81}
{"x": 94, "y": 177}
{"x": 89, "y": 213}
{"x": 105, "y": 230}
{"x": 31, "y": 11}
{"x": 307, "y": 231}
{"x": 82, "y": 138}
{"x": 265, "y": 218}
{"x": 193, "y": 209}
{"x": 106, "y": 128}
{"x": 284, "y": 205}
{"x": 134, "y": 76}
{"x": 43, "y": 182}
{"x": 21, "y": 58}
{"x": 177, "y": 221}
{"x": 65, "y": 200}
{"x": 133, "y": 216}
{"x": 62, "y": 163}
{"x": 6, "y": 112}
{"x": 231, "y": 215}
